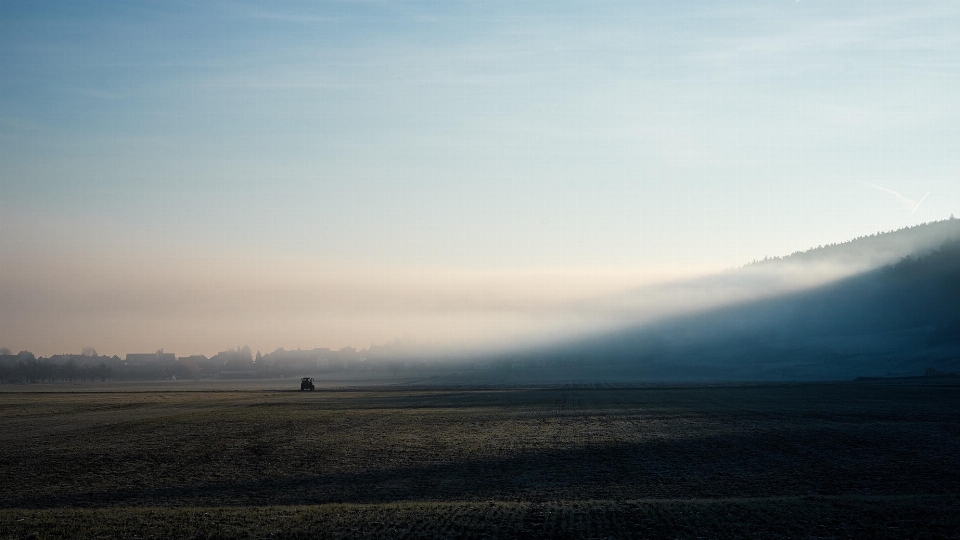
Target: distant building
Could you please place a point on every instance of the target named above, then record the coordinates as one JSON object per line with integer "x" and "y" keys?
{"x": 64, "y": 358}
{"x": 139, "y": 359}
{"x": 9, "y": 359}
{"x": 189, "y": 367}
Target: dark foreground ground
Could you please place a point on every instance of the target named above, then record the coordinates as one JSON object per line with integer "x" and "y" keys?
{"x": 853, "y": 460}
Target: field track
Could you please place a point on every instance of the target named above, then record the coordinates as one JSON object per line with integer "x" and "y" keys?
{"x": 846, "y": 460}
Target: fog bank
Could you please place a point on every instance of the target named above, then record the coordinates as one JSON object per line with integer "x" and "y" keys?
{"x": 203, "y": 304}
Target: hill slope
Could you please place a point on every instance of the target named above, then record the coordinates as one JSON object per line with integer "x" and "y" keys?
{"x": 898, "y": 319}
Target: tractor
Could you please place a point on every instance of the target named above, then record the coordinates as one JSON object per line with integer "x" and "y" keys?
{"x": 306, "y": 383}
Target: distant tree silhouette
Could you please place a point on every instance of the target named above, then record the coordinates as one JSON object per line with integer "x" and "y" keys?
{"x": 103, "y": 372}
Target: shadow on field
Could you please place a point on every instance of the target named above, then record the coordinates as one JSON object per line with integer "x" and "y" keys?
{"x": 733, "y": 465}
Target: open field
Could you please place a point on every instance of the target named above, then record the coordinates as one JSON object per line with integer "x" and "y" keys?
{"x": 848, "y": 460}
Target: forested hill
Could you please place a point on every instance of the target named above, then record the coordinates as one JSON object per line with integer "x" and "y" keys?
{"x": 882, "y": 247}
{"x": 772, "y": 277}
{"x": 899, "y": 319}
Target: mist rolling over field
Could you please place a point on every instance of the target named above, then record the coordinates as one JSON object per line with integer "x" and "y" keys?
{"x": 780, "y": 317}
{"x": 822, "y": 314}
{"x": 474, "y": 269}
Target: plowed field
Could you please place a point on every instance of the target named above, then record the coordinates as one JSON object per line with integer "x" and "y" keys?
{"x": 852, "y": 460}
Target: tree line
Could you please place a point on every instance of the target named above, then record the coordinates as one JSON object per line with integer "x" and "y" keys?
{"x": 25, "y": 367}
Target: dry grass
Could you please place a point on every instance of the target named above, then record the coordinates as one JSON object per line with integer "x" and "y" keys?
{"x": 798, "y": 461}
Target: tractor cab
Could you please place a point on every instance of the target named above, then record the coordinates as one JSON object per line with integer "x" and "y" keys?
{"x": 306, "y": 383}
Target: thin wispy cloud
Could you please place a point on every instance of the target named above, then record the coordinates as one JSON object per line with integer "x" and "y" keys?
{"x": 887, "y": 30}
{"x": 290, "y": 18}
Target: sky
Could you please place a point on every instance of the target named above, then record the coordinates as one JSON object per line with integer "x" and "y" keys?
{"x": 201, "y": 175}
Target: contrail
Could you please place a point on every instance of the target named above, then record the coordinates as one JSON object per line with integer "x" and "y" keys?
{"x": 907, "y": 202}
{"x": 918, "y": 204}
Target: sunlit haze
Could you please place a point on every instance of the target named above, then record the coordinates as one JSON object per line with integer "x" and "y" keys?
{"x": 201, "y": 175}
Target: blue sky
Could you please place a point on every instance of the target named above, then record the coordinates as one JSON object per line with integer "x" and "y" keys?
{"x": 610, "y": 143}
